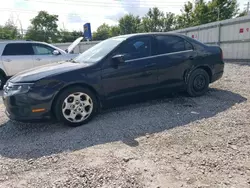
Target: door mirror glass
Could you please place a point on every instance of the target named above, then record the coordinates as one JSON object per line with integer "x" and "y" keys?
{"x": 56, "y": 52}
{"x": 118, "y": 59}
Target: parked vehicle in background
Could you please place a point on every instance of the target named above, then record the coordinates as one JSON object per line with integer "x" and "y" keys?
{"x": 17, "y": 56}
{"x": 120, "y": 66}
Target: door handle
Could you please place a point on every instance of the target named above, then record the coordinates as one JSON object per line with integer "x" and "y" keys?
{"x": 38, "y": 59}
{"x": 7, "y": 60}
{"x": 145, "y": 74}
{"x": 150, "y": 65}
{"x": 191, "y": 57}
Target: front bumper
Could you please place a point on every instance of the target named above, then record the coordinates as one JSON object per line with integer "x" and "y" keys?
{"x": 19, "y": 108}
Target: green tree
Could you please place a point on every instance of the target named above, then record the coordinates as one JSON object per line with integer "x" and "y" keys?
{"x": 67, "y": 36}
{"x": 43, "y": 28}
{"x": 200, "y": 13}
{"x": 9, "y": 31}
{"x": 115, "y": 31}
{"x": 153, "y": 21}
{"x": 102, "y": 32}
{"x": 169, "y": 22}
{"x": 186, "y": 19}
{"x": 129, "y": 24}
{"x": 243, "y": 13}
{"x": 222, "y": 9}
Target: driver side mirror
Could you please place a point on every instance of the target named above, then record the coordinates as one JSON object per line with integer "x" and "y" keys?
{"x": 118, "y": 59}
{"x": 56, "y": 52}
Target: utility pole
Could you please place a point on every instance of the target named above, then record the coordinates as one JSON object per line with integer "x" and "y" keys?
{"x": 248, "y": 4}
{"x": 248, "y": 7}
{"x": 218, "y": 18}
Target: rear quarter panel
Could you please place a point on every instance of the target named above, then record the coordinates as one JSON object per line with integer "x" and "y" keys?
{"x": 208, "y": 57}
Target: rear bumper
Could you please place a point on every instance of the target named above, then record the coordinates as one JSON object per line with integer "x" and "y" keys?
{"x": 217, "y": 71}
{"x": 217, "y": 76}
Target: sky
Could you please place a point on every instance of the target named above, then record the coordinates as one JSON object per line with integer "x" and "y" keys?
{"x": 74, "y": 13}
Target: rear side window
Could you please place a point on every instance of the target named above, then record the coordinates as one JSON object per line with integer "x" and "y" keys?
{"x": 170, "y": 44}
{"x": 18, "y": 49}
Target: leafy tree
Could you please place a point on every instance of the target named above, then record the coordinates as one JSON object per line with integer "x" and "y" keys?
{"x": 153, "y": 21}
{"x": 67, "y": 36}
{"x": 169, "y": 22}
{"x": 43, "y": 28}
{"x": 9, "y": 31}
{"x": 200, "y": 13}
{"x": 226, "y": 9}
{"x": 243, "y": 13}
{"x": 115, "y": 31}
{"x": 186, "y": 19}
{"x": 102, "y": 32}
{"x": 129, "y": 24}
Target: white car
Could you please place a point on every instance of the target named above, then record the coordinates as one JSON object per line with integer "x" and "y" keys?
{"x": 17, "y": 56}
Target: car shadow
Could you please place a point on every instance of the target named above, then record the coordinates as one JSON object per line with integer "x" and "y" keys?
{"x": 123, "y": 123}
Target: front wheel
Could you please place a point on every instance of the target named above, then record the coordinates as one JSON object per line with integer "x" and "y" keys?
{"x": 76, "y": 106}
{"x": 198, "y": 83}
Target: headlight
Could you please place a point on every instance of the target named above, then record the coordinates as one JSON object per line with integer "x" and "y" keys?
{"x": 16, "y": 88}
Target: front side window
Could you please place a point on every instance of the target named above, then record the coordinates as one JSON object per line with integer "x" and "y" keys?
{"x": 40, "y": 49}
{"x": 170, "y": 44}
{"x": 136, "y": 48}
{"x": 14, "y": 49}
{"x": 99, "y": 51}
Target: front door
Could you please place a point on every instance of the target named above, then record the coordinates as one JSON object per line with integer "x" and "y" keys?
{"x": 17, "y": 57}
{"x": 138, "y": 73}
{"x": 43, "y": 55}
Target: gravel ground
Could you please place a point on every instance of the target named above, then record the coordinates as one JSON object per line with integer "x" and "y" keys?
{"x": 169, "y": 142}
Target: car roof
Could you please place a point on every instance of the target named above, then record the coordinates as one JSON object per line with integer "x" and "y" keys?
{"x": 146, "y": 34}
{"x": 19, "y": 41}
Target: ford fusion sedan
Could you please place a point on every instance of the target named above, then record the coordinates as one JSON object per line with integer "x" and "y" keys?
{"x": 73, "y": 92}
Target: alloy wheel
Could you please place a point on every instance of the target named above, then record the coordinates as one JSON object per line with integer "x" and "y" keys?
{"x": 77, "y": 107}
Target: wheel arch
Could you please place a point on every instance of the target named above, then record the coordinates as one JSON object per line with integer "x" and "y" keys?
{"x": 204, "y": 67}
{"x": 3, "y": 73}
{"x": 84, "y": 85}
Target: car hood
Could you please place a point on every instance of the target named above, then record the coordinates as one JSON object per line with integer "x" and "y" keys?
{"x": 73, "y": 45}
{"x": 38, "y": 73}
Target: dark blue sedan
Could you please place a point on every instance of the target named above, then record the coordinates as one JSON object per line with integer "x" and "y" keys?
{"x": 74, "y": 91}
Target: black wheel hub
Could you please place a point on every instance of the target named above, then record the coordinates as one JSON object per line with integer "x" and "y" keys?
{"x": 199, "y": 83}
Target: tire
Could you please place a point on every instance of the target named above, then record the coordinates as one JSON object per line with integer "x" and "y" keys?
{"x": 198, "y": 83}
{"x": 2, "y": 81}
{"x": 70, "y": 103}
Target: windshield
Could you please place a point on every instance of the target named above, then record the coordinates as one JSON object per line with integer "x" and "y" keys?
{"x": 98, "y": 51}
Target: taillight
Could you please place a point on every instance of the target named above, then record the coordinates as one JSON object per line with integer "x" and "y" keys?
{"x": 221, "y": 54}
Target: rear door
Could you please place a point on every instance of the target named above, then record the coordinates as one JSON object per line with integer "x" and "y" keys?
{"x": 17, "y": 57}
{"x": 43, "y": 55}
{"x": 173, "y": 55}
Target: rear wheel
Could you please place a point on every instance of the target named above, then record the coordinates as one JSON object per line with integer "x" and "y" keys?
{"x": 198, "y": 83}
{"x": 76, "y": 106}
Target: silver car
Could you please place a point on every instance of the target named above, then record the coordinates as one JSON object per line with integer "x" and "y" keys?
{"x": 17, "y": 56}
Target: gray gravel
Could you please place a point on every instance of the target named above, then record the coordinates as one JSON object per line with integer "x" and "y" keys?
{"x": 169, "y": 142}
